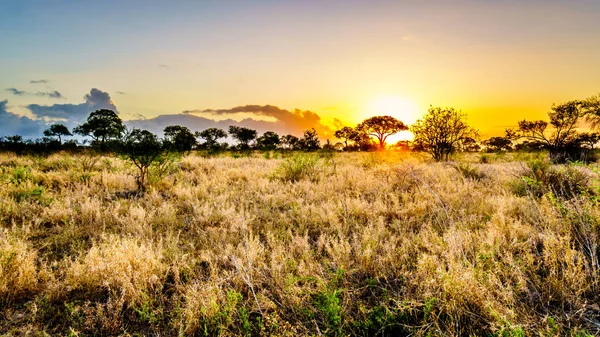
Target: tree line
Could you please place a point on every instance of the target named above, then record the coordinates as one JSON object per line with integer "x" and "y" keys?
{"x": 441, "y": 132}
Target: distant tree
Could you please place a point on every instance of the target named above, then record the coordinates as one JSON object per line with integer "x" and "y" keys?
{"x": 57, "y": 130}
{"x": 289, "y": 142}
{"x": 243, "y": 135}
{"x": 268, "y": 141}
{"x": 102, "y": 125}
{"x": 562, "y": 141}
{"x": 346, "y": 133}
{"x": 211, "y": 138}
{"x": 442, "y": 132}
{"x": 144, "y": 149}
{"x": 588, "y": 140}
{"x": 381, "y": 127}
{"x": 470, "y": 144}
{"x": 179, "y": 138}
{"x": 310, "y": 141}
{"x": 497, "y": 144}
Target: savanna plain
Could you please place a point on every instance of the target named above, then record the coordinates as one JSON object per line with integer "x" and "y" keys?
{"x": 337, "y": 244}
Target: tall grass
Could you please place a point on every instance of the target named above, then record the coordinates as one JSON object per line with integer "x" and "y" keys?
{"x": 385, "y": 244}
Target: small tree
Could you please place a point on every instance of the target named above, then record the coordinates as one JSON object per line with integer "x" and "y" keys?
{"x": 211, "y": 138}
{"x": 442, "y": 132}
{"x": 143, "y": 149}
{"x": 243, "y": 135}
{"x": 101, "y": 125}
{"x": 268, "y": 141}
{"x": 57, "y": 130}
{"x": 562, "y": 141}
{"x": 346, "y": 133}
{"x": 179, "y": 139}
{"x": 381, "y": 127}
{"x": 310, "y": 141}
{"x": 591, "y": 107}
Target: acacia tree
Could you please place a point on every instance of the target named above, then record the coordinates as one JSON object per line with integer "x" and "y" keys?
{"x": 243, "y": 135}
{"x": 442, "y": 132}
{"x": 179, "y": 138}
{"x": 211, "y": 138}
{"x": 381, "y": 127}
{"x": 57, "y": 130}
{"x": 591, "y": 111}
{"x": 143, "y": 149}
{"x": 563, "y": 141}
{"x": 101, "y": 125}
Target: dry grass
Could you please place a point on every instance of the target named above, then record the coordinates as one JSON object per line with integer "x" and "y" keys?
{"x": 364, "y": 244}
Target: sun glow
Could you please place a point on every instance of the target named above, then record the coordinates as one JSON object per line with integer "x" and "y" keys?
{"x": 401, "y": 108}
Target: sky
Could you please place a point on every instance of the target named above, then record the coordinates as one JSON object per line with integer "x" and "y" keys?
{"x": 288, "y": 65}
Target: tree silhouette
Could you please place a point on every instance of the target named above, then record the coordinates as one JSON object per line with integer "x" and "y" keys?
{"x": 497, "y": 144}
{"x": 179, "y": 138}
{"x": 243, "y": 135}
{"x": 562, "y": 141}
{"x": 442, "y": 132}
{"x": 101, "y": 125}
{"x": 211, "y": 137}
{"x": 57, "y": 130}
{"x": 268, "y": 141}
{"x": 289, "y": 142}
{"x": 143, "y": 148}
{"x": 381, "y": 127}
{"x": 346, "y": 133}
{"x": 310, "y": 141}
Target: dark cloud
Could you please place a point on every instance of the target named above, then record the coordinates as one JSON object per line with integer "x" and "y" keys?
{"x": 17, "y": 92}
{"x": 38, "y": 81}
{"x": 75, "y": 113}
{"x": 163, "y": 66}
{"x": 294, "y": 122}
{"x": 120, "y": 93}
{"x": 13, "y": 124}
{"x": 50, "y": 94}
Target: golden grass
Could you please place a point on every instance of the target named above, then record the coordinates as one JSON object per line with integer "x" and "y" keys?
{"x": 357, "y": 244}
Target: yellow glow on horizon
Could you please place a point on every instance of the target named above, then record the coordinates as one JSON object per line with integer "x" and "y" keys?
{"x": 399, "y": 107}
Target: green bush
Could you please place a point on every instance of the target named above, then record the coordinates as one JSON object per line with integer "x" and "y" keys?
{"x": 299, "y": 167}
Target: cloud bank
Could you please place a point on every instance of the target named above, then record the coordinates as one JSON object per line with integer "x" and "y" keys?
{"x": 13, "y": 124}
{"x": 75, "y": 113}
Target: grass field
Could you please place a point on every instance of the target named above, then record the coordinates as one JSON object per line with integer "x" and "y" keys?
{"x": 351, "y": 244}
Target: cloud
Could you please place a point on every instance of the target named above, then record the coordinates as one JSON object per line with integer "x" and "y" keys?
{"x": 50, "y": 94}
{"x": 38, "y": 81}
{"x": 120, "y": 93}
{"x": 13, "y": 124}
{"x": 17, "y": 92}
{"x": 294, "y": 122}
{"x": 75, "y": 113}
{"x": 163, "y": 66}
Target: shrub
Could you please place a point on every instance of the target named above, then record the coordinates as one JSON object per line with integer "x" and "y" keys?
{"x": 299, "y": 167}
{"x": 469, "y": 172}
{"x": 540, "y": 177}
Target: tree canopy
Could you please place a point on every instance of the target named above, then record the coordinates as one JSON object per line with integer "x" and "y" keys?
{"x": 101, "y": 125}
{"x": 442, "y": 132}
{"x": 243, "y": 135}
{"x": 179, "y": 138}
{"x": 381, "y": 127}
{"x": 57, "y": 130}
